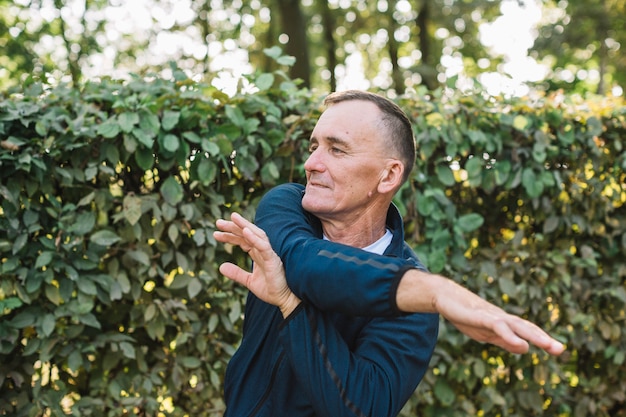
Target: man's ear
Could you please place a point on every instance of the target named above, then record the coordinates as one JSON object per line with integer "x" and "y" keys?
{"x": 391, "y": 177}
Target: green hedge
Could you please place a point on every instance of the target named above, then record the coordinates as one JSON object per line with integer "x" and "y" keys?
{"x": 110, "y": 299}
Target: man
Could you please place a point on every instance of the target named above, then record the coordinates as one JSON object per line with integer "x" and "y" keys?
{"x": 325, "y": 332}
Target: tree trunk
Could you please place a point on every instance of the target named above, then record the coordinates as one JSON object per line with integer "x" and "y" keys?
{"x": 294, "y": 26}
{"x": 428, "y": 72}
{"x": 392, "y": 46}
{"x": 73, "y": 52}
{"x": 203, "y": 14}
{"x": 329, "y": 39}
{"x": 603, "y": 26}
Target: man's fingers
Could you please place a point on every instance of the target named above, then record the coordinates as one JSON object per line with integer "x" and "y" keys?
{"x": 536, "y": 336}
{"x": 235, "y": 273}
{"x": 509, "y": 339}
{"x": 243, "y": 223}
{"x": 225, "y": 237}
{"x": 258, "y": 242}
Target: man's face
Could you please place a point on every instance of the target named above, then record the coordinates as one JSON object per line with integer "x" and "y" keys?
{"x": 346, "y": 162}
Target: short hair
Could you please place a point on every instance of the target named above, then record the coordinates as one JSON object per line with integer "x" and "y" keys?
{"x": 395, "y": 120}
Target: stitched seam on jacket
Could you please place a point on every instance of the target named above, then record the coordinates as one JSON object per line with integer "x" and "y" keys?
{"x": 354, "y": 259}
{"x": 331, "y": 370}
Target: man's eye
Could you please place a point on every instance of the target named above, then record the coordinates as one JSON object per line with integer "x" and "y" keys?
{"x": 336, "y": 150}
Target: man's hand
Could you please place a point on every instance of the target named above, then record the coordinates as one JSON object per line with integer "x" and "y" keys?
{"x": 482, "y": 321}
{"x": 267, "y": 280}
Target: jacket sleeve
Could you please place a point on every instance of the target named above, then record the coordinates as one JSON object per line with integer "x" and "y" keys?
{"x": 373, "y": 378}
{"x": 296, "y": 235}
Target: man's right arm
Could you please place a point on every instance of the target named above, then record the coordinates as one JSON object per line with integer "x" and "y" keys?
{"x": 361, "y": 283}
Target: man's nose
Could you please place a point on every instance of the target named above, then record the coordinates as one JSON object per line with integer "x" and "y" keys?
{"x": 314, "y": 161}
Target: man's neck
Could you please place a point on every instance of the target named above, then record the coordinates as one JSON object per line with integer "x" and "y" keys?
{"x": 359, "y": 233}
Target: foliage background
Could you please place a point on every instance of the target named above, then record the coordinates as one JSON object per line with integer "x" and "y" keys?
{"x": 110, "y": 299}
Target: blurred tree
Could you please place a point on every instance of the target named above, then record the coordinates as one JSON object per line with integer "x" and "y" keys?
{"x": 398, "y": 44}
{"x": 580, "y": 41}
{"x": 297, "y": 45}
{"x": 394, "y": 44}
{"x": 17, "y": 40}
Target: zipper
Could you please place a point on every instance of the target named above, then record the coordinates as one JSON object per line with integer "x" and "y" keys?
{"x": 267, "y": 392}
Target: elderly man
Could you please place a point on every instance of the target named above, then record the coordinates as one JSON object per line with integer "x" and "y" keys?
{"x": 327, "y": 330}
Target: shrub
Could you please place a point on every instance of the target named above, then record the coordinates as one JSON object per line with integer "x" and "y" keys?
{"x": 111, "y": 302}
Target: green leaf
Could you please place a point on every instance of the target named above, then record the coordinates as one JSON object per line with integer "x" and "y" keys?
{"x": 87, "y": 286}
{"x": 478, "y": 368}
{"x": 84, "y": 223}
{"x": 145, "y": 138}
{"x": 75, "y": 360}
{"x": 190, "y": 362}
{"x": 170, "y": 119}
{"x": 19, "y": 243}
{"x": 172, "y": 191}
{"x": 170, "y": 143}
{"x": 90, "y": 320}
{"x": 594, "y": 126}
{"x": 286, "y": 60}
{"x": 139, "y": 256}
{"x": 474, "y": 167}
{"x": 269, "y": 172}
{"x": 445, "y": 175}
{"x": 128, "y": 350}
{"x": 53, "y": 294}
{"x": 248, "y": 165}
{"x": 156, "y": 329}
{"x": 105, "y": 238}
{"x": 132, "y": 209}
{"x": 502, "y": 171}
{"x": 109, "y": 129}
{"x": 274, "y": 52}
{"x": 192, "y": 137}
{"x": 264, "y": 81}
{"x": 225, "y": 144}
{"x": 23, "y": 319}
{"x": 443, "y": 392}
{"x": 9, "y": 304}
{"x": 551, "y": 224}
{"x": 44, "y": 259}
{"x": 194, "y": 287}
{"x": 180, "y": 281}
{"x": 507, "y": 286}
{"x": 470, "y": 222}
{"x": 149, "y": 122}
{"x": 144, "y": 158}
{"x": 47, "y": 324}
{"x": 533, "y": 187}
{"x": 127, "y": 121}
{"x": 235, "y": 115}
{"x": 207, "y": 171}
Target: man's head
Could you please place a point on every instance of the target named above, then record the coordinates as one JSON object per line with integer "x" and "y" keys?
{"x": 398, "y": 131}
{"x": 362, "y": 150}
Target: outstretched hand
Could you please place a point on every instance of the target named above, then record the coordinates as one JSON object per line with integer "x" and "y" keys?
{"x": 472, "y": 315}
{"x": 267, "y": 280}
{"x": 494, "y": 325}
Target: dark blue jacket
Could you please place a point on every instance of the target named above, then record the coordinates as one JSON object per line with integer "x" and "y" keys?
{"x": 346, "y": 350}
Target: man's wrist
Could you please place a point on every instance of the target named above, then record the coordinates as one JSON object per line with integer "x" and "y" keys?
{"x": 417, "y": 292}
{"x": 289, "y": 305}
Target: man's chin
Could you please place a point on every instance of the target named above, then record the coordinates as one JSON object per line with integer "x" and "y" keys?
{"x": 311, "y": 201}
